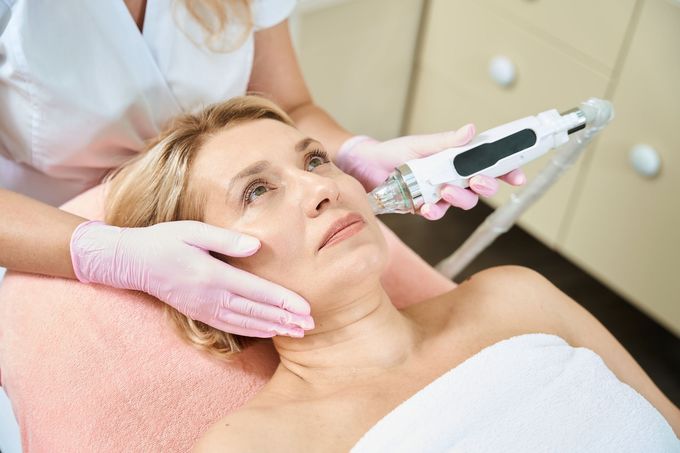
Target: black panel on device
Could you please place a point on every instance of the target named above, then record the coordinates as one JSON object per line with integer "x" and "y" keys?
{"x": 486, "y": 155}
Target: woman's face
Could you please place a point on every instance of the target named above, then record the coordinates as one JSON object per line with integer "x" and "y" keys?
{"x": 268, "y": 180}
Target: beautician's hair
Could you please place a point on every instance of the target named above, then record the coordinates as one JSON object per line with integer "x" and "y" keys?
{"x": 154, "y": 187}
{"x": 218, "y": 19}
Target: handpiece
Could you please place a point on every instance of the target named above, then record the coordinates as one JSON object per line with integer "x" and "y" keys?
{"x": 493, "y": 153}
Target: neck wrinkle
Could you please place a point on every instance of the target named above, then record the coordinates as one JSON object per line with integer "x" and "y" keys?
{"x": 363, "y": 338}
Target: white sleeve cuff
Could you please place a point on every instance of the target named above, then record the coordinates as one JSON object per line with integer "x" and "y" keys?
{"x": 267, "y": 13}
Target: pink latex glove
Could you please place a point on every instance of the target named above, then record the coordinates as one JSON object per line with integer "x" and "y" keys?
{"x": 371, "y": 162}
{"x": 171, "y": 261}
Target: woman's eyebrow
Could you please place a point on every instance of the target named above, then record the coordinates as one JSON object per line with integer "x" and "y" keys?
{"x": 262, "y": 165}
{"x": 253, "y": 169}
{"x": 304, "y": 143}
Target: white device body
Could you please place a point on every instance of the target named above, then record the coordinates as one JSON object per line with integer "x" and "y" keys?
{"x": 550, "y": 129}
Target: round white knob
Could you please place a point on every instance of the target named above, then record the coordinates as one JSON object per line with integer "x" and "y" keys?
{"x": 502, "y": 71}
{"x": 645, "y": 160}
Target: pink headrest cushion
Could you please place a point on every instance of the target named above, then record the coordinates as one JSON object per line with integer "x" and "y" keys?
{"x": 95, "y": 368}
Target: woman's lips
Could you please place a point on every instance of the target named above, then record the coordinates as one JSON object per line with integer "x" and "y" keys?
{"x": 342, "y": 229}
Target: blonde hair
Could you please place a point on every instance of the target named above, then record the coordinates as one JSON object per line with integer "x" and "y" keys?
{"x": 154, "y": 187}
{"x": 217, "y": 18}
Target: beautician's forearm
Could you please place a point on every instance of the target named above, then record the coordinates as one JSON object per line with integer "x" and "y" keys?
{"x": 316, "y": 123}
{"x": 277, "y": 74}
{"x": 34, "y": 236}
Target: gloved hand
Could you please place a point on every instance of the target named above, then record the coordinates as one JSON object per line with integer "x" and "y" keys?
{"x": 371, "y": 162}
{"x": 171, "y": 261}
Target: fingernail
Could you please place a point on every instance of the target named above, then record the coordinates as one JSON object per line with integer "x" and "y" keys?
{"x": 296, "y": 305}
{"x": 482, "y": 186}
{"x": 482, "y": 190}
{"x": 479, "y": 181}
{"x": 463, "y": 199}
{"x": 306, "y": 323}
{"x": 288, "y": 330}
{"x": 448, "y": 194}
{"x": 429, "y": 212}
{"x": 295, "y": 332}
{"x": 435, "y": 212}
{"x": 466, "y": 131}
{"x": 520, "y": 179}
{"x": 248, "y": 244}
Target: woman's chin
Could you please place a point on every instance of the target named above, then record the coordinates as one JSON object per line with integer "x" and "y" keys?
{"x": 356, "y": 260}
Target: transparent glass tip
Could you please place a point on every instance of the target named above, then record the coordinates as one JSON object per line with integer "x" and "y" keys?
{"x": 391, "y": 197}
{"x": 598, "y": 112}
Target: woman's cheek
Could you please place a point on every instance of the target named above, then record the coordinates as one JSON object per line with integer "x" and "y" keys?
{"x": 280, "y": 243}
{"x": 356, "y": 197}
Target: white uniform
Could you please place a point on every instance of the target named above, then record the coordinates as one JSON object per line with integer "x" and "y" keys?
{"x": 81, "y": 88}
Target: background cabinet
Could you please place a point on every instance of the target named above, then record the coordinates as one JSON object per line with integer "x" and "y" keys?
{"x": 624, "y": 227}
{"x": 454, "y": 87}
{"x": 361, "y": 61}
{"x": 620, "y": 226}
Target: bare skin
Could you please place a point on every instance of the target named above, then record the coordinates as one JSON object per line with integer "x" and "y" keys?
{"x": 137, "y": 10}
{"x": 35, "y": 237}
{"x": 491, "y": 306}
{"x": 364, "y": 356}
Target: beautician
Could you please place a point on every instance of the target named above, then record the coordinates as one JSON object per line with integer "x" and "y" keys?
{"x": 84, "y": 84}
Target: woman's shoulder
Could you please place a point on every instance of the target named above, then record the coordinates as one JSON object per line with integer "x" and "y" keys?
{"x": 270, "y": 424}
{"x": 238, "y": 431}
{"x": 510, "y": 299}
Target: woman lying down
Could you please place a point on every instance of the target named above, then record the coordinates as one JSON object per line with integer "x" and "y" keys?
{"x": 504, "y": 362}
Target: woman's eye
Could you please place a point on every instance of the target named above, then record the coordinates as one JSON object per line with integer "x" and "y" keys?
{"x": 315, "y": 162}
{"x": 255, "y": 191}
{"x": 316, "y": 159}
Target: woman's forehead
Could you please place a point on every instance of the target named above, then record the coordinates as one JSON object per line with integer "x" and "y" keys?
{"x": 234, "y": 155}
{"x": 250, "y": 142}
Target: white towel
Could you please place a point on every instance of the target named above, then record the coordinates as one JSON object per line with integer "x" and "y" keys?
{"x": 529, "y": 393}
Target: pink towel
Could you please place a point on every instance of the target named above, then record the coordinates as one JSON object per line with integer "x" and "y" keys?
{"x": 91, "y": 368}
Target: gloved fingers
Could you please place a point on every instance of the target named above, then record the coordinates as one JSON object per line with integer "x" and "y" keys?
{"x": 434, "y": 211}
{"x": 267, "y": 312}
{"x": 462, "y": 198}
{"x": 516, "y": 177}
{"x": 424, "y": 145}
{"x": 248, "y": 324}
{"x": 230, "y": 328}
{"x": 258, "y": 289}
{"x": 484, "y": 185}
{"x": 216, "y": 239}
{"x": 451, "y": 196}
{"x": 459, "y": 197}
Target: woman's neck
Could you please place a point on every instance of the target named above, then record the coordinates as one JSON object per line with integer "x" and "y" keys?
{"x": 364, "y": 336}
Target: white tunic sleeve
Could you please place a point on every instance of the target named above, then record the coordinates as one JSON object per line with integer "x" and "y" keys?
{"x": 267, "y": 13}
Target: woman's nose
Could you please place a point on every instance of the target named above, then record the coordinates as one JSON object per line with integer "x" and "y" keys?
{"x": 317, "y": 193}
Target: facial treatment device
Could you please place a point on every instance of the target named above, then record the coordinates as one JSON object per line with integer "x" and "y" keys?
{"x": 493, "y": 153}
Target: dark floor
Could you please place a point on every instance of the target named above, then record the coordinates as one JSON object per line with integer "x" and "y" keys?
{"x": 655, "y": 349}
